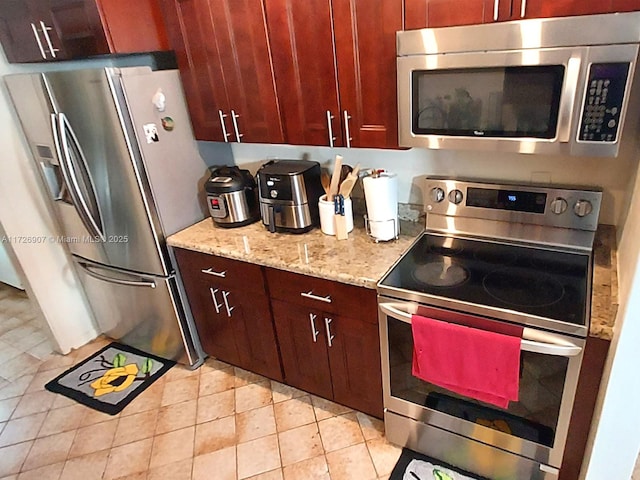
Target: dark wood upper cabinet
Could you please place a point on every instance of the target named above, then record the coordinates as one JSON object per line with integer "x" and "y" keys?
{"x": 304, "y": 59}
{"x": 365, "y": 36}
{"x": 18, "y": 27}
{"x": 335, "y": 70}
{"x": 225, "y": 63}
{"x": 444, "y": 13}
{"x": 557, "y": 8}
{"x": 625, "y": 5}
{"x": 50, "y": 30}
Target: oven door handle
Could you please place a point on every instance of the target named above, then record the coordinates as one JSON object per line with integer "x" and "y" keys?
{"x": 534, "y": 341}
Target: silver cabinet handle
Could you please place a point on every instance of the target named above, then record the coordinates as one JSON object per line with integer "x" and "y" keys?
{"x": 234, "y": 118}
{"x": 314, "y": 332}
{"x": 310, "y": 295}
{"x": 225, "y": 295}
{"x": 330, "y": 127}
{"x": 523, "y": 8}
{"x": 347, "y": 117}
{"x": 45, "y": 30}
{"x": 225, "y": 135}
{"x": 210, "y": 271}
{"x": 327, "y": 324}
{"x": 216, "y": 305}
{"x": 496, "y": 4}
{"x": 35, "y": 34}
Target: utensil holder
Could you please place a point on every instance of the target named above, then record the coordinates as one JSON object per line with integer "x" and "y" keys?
{"x": 327, "y": 215}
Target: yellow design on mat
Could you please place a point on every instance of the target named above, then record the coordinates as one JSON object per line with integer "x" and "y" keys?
{"x": 115, "y": 380}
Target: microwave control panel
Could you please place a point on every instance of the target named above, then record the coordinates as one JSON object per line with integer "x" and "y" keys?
{"x": 606, "y": 87}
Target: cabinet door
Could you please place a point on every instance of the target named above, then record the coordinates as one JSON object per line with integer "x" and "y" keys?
{"x": 254, "y": 332}
{"x": 365, "y": 36}
{"x": 191, "y": 36}
{"x": 625, "y": 5}
{"x": 19, "y": 40}
{"x": 76, "y": 28}
{"x": 557, "y": 8}
{"x": 133, "y": 26}
{"x": 224, "y": 58}
{"x": 445, "y": 13}
{"x": 303, "y": 56}
{"x": 216, "y": 328}
{"x": 303, "y": 348}
{"x": 354, "y": 358}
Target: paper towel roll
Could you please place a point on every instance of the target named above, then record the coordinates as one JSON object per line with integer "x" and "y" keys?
{"x": 381, "y": 196}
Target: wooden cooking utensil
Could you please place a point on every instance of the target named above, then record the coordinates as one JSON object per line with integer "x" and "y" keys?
{"x": 326, "y": 182}
{"x": 335, "y": 178}
{"x": 347, "y": 185}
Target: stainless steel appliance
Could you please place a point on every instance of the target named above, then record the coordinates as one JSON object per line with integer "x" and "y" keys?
{"x": 510, "y": 259}
{"x": 232, "y": 197}
{"x": 289, "y": 191}
{"x": 121, "y": 169}
{"x": 549, "y": 86}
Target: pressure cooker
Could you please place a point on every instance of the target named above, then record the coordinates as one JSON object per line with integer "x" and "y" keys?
{"x": 232, "y": 197}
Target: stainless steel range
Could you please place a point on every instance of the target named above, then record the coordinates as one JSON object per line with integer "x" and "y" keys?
{"x": 510, "y": 259}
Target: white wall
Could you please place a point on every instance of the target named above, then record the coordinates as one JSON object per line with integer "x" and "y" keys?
{"x": 412, "y": 165}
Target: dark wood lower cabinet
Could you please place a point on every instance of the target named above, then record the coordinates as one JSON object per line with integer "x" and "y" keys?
{"x": 354, "y": 358}
{"x": 231, "y": 310}
{"x": 329, "y": 347}
{"x": 595, "y": 355}
{"x": 303, "y": 346}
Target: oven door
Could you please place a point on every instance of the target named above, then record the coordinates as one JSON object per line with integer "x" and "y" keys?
{"x": 535, "y": 427}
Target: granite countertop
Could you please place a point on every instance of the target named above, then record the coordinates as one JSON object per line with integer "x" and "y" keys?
{"x": 361, "y": 261}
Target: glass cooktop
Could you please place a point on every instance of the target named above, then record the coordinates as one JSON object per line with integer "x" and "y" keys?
{"x": 529, "y": 280}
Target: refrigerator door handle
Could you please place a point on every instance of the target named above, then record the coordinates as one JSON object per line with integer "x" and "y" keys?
{"x": 89, "y": 269}
{"x": 65, "y": 140}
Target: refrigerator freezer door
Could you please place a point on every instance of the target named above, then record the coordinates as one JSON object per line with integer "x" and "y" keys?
{"x": 100, "y": 159}
{"x": 138, "y": 310}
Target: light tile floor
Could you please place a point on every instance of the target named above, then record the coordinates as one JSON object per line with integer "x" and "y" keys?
{"x": 217, "y": 422}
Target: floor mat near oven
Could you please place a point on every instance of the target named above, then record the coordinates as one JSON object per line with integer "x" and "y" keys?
{"x": 415, "y": 466}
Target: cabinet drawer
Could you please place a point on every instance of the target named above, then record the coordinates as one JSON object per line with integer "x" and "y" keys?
{"x": 325, "y": 295}
{"x": 223, "y": 272}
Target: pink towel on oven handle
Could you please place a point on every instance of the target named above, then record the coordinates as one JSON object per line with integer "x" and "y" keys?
{"x": 472, "y": 362}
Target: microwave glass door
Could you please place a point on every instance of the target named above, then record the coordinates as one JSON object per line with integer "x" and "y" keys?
{"x": 512, "y": 101}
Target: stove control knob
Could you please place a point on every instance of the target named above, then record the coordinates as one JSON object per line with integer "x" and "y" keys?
{"x": 455, "y": 196}
{"x": 437, "y": 194}
{"x": 559, "y": 205}
{"x": 582, "y": 208}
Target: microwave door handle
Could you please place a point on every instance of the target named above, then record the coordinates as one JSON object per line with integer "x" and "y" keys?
{"x": 532, "y": 340}
{"x": 74, "y": 189}
{"x": 568, "y": 96}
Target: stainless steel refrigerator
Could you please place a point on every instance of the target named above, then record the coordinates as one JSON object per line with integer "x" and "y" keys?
{"x": 122, "y": 171}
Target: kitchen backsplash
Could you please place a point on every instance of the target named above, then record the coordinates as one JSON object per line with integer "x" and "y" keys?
{"x": 613, "y": 175}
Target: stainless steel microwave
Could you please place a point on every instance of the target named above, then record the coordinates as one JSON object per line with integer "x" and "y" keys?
{"x": 544, "y": 86}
